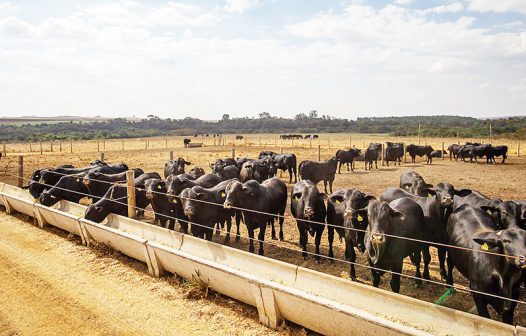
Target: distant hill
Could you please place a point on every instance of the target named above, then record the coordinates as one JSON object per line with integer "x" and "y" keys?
{"x": 34, "y": 129}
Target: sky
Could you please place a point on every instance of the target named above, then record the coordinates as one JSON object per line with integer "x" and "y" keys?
{"x": 203, "y": 59}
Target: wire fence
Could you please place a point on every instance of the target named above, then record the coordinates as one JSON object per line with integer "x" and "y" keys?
{"x": 457, "y": 287}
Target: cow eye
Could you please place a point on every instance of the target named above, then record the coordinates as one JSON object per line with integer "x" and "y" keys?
{"x": 504, "y": 213}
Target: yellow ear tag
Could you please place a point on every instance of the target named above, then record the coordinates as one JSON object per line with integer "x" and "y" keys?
{"x": 159, "y": 187}
{"x": 429, "y": 195}
{"x": 337, "y": 201}
{"x": 407, "y": 187}
{"x": 223, "y": 194}
{"x": 78, "y": 180}
{"x": 489, "y": 212}
{"x": 485, "y": 247}
{"x": 296, "y": 198}
{"x": 359, "y": 218}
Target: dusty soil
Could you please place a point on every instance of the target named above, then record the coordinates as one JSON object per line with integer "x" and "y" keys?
{"x": 52, "y": 285}
{"x": 504, "y": 181}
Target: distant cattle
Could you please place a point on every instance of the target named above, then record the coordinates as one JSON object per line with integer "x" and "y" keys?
{"x": 347, "y": 157}
{"x": 454, "y": 150}
{"x": 285, "y": 162}
{"x": 372, "y": 153}
{"x": 394, "y": 152}
{"x": 239, "y": 137}
{"x": 500, "y": 151}
{"x": 414, "y": 183}
{"x": 415, "y": 150}
{"x": 438, "y": 153}
{"x": 186, "y": 141}
{"x": 319, "y": 171}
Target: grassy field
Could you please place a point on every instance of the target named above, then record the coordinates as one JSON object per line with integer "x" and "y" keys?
{"x": 504, "y": 181}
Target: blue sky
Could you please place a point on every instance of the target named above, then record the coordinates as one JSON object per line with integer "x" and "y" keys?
{"x": 242, "y": 57}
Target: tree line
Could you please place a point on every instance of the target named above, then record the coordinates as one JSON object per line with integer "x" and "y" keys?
{"x": 306, "y": 123}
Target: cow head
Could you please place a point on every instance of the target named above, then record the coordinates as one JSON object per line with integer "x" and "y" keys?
{"x": 510, "y": 242}
{"x": 508, "y": 214}
{"x": 155, "y": 188}
{"x": 95, "y": 213}
{"x": 380, "y": 216}
{"x": 306, "y": 197}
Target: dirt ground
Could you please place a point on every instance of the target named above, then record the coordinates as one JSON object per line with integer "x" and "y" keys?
{"x": 504, "y": 181}
{"x": 52, "y": 285}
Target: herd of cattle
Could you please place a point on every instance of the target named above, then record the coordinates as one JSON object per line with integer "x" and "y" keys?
{"x": 402, "y": 222}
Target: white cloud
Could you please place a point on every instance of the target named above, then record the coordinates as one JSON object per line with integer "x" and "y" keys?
{"x": 453, "y": 7}
{"x": 177, "y": 14}
{"x": 240, "y": 6}
{"x": 498, "y": 6}
{"x": 404, "y": 2}
{"x": 7, "y": 8}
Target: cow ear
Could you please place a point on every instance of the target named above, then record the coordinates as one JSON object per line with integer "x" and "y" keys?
{"x": 490, "y": 210}
{"x": 360, "y": 215}
{"x": 462, "y": 192}
{"x": 323, "y": 196}
{"x": 406, "y": 185}
{"x": 369, "y": 198}
{"x": 488, "y": 240}
{"x": 427, "y": 185}
{"x": 211, "y": 165}
{"x": 396, "y": 214}
{"x": 336, "y": 199}
{"x": 187, "y": 163}
{"x": 429, "y": 192}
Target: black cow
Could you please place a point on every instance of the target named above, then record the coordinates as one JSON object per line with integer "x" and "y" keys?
{"x": 268, "y": 197}
{"x": 454, "y": 150}
{"x": 224, "y": 171}
{"x": 474, "y": 229}
{"x": 196, "y": 172}
{"x": 203, "y": 215}
{"x": 285, "y": 162}
{"x": 68, "y": 187}
{"x": 435, "y": 206}
{"x": 394, "y": 152}
{"x": 500, "y": 151}
{"x": 239, "y": 137}
{"x": 438, "y": 153}
{"x": 372, "y": 153}
{"x": 186, "y": 141}
{"x": 175, "y": 167}
{"x": 116, "y": 201}
{"x": 319, "y": 171}
{"x": 414, "y": 183}
{"x": 415, "y": 150}
{"x": 347, "y": 157}
{"x": 508, "y": 214}
{"x": 307, "y": 203}
{"x": 225, "y": 162}
{"x": 176, "y": 183}
{"x": 401, "y": 217}
{"x": 240, "y": 161}
{"x": 98, "y": 183}
{"x": 35, "y": 188}
{"x": 475, "y": 199}
{"x": 165, "y": 211}
{"x": 477, "y": 151}
{"x": 342, "y": 217}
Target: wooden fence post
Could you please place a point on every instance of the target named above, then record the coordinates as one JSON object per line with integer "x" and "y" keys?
{"x": 171, "y": 155}
{"x": 30, "y": 147}
{"x": 122, "y": 144}
{"x": 383, "y": 155}
{"x": 281, "y": 171}
{"x": 518, "y": 148}
{"x": 4, "y": 149}
{"x": 98, "y": 146}
{"x": 51, "y": 145}
{"x": 319, "y": 153}
{"x": 292, "y": 143}
{"x": 132, "y": 212}
{"x": 102, "y": 156}
{"x": 166, "y": 142}
{"x": 350, "y": 143}
{"x": 259, "y": 141}
{"x": 443, "y": 151}
{"x": 40, "y": 147}
{"x": 20, "y": 178}
{"x": 405, "y": 157}
{"x": 71, "y": 146}
{"x": 60, "y": 146}
{"x": 233, "y": 152}
{"x": 103, "y": 144}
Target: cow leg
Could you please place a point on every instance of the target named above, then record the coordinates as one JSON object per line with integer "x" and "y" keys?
{"x": 442, "y": 260}
{"x": 376, "y": 164}
{"x": 375, "y": 274}
{"x": 330, "y": 232}
{"x": 340, "y": 167}
{"x": 482, "y": 306}
{"x": 228, "y": 226}
{"x": 415, "y": 259}
{"x": 261, "y": 238}
{"x": 238, "y": 224}
{"x": 325, "y": 185}
{"x": 365, "y": 162}
{"x": 303, "y": 239}
{"x": 450, "y": 266}
{"x": 395, "y": 277}
{"x": 251, "y": 240}
{"x": 427, "y": 260}
{"x": 209, "y": 232}
{"x": 317, "y": 241}
{"x": 349, "y": 248}
{"x": 352, "y": 165}
{"x": 171, "y": 224}
{"x": 347, "y": 166}
{"x": 281, "y": 219}
{"x": 218, "y": 228}
{"x": 271, "y": 223}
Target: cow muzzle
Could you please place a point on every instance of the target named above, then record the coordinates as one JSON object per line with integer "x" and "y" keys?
{"x": 188, "y": 211}
{"x": 447, "y": 201}
{"x": 227, "y": 205}
{"x": 308, "y": 213}
{"x": 86, "y": 181}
